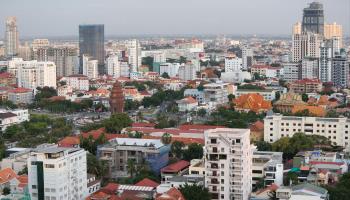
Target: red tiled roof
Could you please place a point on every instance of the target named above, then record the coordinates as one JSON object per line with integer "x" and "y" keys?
{"x": 304, "y": 81}
{"x": 6, "y": 75}
{"x": 23, "y": 181}
{"x": 326, "y": 163}
{"x": 69, "y": 141}
{"x": 176, "y": 167}
{"x": 257, "y": 126}
{"x": 143, "y": 124}
{"x": 254, "y": 102}
{"x": 171, "y": 194}
{"x": 110, "y": 188}
{"x": 201, "y": 127}
{"x": 96, "y": 133}
{"x": 20, "y": 90}
{"x": 147, "y": 182}
{"x": 6, "y": 175}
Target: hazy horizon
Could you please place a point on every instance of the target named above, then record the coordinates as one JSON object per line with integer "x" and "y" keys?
{"x": 163, "y": 17}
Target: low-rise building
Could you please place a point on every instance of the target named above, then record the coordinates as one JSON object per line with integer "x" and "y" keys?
{"x": 187, "y": 104}
{"x": 119, "y": 150}
{"x": 302, "y": 191}
{"x": 20, "y": 96}
{"x": 306, "y": 86}
{"x": 335, "y": 129}
{"x": 178, "y": 181}
{"x": 267, "y": 71}
{"x": 268, "y": 94}
{"x": 195, "y": 93}
{"x": 216, "y": 93}
{"x": 197, "y": 167}
{"x": 287, "y": 102}
{"x": 267, "y": 167}
{"x": 77, "y": 82}
{"x": 176, "y": 169}
{"x": 252, "y": 102}
{"x": 11, "y": 117}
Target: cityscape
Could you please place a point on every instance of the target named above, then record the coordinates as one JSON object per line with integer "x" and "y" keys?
{"x": 142, "y": 115}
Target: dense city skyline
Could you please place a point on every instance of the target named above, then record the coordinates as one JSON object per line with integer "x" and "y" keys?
{"x": 267, "y": 17}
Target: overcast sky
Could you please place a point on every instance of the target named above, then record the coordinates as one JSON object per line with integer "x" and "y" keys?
{"x": 123, "y": 17}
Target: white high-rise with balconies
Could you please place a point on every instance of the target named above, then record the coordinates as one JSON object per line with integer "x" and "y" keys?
{"x": 233, "y": 63}
{"x": 90, "y": 67}
{"x": 33, "y": 74}
{"x": 11, "y": 37}
{"x": 113, "y": 66}
{"x": 228, "y": 163}
{"x": 134, "y": 55}
{"x": 57, "y": 173}
{"x": 247, "y": 57}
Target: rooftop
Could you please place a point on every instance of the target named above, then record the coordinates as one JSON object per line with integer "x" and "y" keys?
{"x": 176, "y": 167}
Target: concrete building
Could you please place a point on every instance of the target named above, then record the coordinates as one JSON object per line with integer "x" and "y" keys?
{"x": 65, "y": 58}
{"x": 233, "y": 63}
{"x": 228, "y": 163}
{"x": 333, "y": 30}
{"x": 306, "y": 86}
{"x": 267, "y": 165}
{"x": 11, "y": 37}
{"x": 302, "y": 191}
{"x": 309, "y": 68}
{"x": 57, "y": 173}
{"x": 20, "y": 96}
{"x": 268, "y": 94}
{"x": 340, "y": 71}
{"x": 134, "y": 55}
{"x": 335, "y": 129}
{"x": 305, "y": 45}
{"x": 187, "y": 72}
{"x": 291, "y": 71}
{"x": 313, "y": 18}
{"x": 120, "y": 150}
{"x": 172, "y": 69}
{"x": 33, "y": 74}
{"x": 197, "y": 167}
{"x": 113, "y": 66}
{"x": 195, "y": 93}
{"x": 77, "y": 82}
{"x": 179, "y": 168}
{"x": 124, "y": 69}
{"x": 90, "y": 67}
{"x": 247, "y": 57}
{"x": 325, "y": 63}
{"x": 267, "y": 71}
{"x": 216, "y": 94}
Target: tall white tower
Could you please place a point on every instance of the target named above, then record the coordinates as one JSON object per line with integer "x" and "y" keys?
{"x": 134, "y": 55}
{"x": 11, "y": 37}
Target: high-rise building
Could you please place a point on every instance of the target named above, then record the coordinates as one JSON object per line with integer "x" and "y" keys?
{"x": 233, "y": 63}
{"x": 340, "y": 70}
{"x": 309, "y": 68}
{"x": 333, "y": 30}
{"x": 33, "y": 74}
{"x": 116, "y": 100}
{"x": 325, "y": 63}
{"x": 134, "y": 55}
{"x": 24, "y": 51}
{"x": 297, "y": 28}
{"x": 172, "y": 69}
{"x": 113, "y": 66}
{"x": 228, "y": 163}
{"x": 57, "y": 173}
{"x": 39, "y": 43}
{"x": 65, "y": 57}
{"x": 90, "y": 67}
{"x": 11, "y": 37}
{"x": 187, "y": 72}
{"x": 313, "y": 19}
{"x": 91, "y": 43}
{"x": 247, "y": 57}
{"x": 306, "y": 45}
{"x": 291, "y": 71}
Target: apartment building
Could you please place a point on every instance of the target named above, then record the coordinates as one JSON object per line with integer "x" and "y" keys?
{"x": 57, "y": 173}
{"x": 291, "y": 71}
{"x": 335, "y": 129}
{"x": 216, "y": 93}
{"x": 267, "y": 71}
{"x": 228, "y": 163}
{"x": 172, "y": 69}
{"x": 267, "y": 165}
{"x": 119, "y": 150}
{"x": 77, "y": 82}
{"x": 306, "y": 86}
{"x": 11, "y": 117}
{"x": 233, "y": 63}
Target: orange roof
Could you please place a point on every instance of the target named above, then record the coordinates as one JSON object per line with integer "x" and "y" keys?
{"x": 147, "y": 182}
{"x": 307, "y": 81}
{"x": 23, "y": 181}
{"x": 6, "y": 175}
{"x": 6, "y": 75}
{"x": 187, "y": 100}
{"x": 20, "y": 90}
{"x": 143, "y": 124}
{"x": 69, "y": 141}
{"x": 317, "y": 111}
{"x": 110, "y": 188}
{"x": 176, "y": 167}
{"x": 96, "y": 133}
{"x": 254, "y": 102}
{"x": 171, "y": 194}
{"x": 257, "y": 126}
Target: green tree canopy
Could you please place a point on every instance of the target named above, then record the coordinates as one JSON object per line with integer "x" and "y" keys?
{"x": 195, "y": 192}
{"x": 117, "y": 122}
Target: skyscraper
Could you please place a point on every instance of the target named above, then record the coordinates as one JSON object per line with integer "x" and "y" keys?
{"x": 134, "y": 55}
{"x": 91, "y": 43}
{"x": 305, "y": 45}
{"x": 313, "y": 18}
{"x": 247, "y": 57}
{"x": 11, "y": 37}
{"x": 325, "y": 63}
{"x": 340, "y": 70}
{"x": 334, "y": 30}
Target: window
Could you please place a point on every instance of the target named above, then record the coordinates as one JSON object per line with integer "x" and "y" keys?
{"x": 271, "y": 129}
{"x": 238, "y": 140}
{"x": 49, "y": 166}
{"x": 33, "y": 186}
{"x": 222, "y": 165}
{"x": 222, "y": 181}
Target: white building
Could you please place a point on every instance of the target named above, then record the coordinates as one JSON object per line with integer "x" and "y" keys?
{"x": 113, "y": 66}
{"x": 77, "y": 82}
{"x": 268, "y": 94}
{"x": 325, "y": 63}
{"x": 228, "y": 163}
{"x": 90, "y": 67}
{"x": 172, "y": 69}
{"x": 195, "y": 93}
{"x": 267, "y": 71}
{"x": 57, "y": 173}
{"x": 305, "y": 191}
{"x": 233, "y": 64}
{"x": 309, "y": 68}
{"x": 290, "y": 72}
{"x": 33, "y": 74}
{"x": 247, "y": 57}
{"x": 335, "y": 129}
{"x": 159, "y": 57}
{"x": 216, "y": 94}
{"x": 11, "y": 37}
{"x": 306, "y": 45}
{"x": 235, "y": 77}
{"x": 267, "y": 165}
{"x": 124, "y": 69}
{"x": 134, "y": 55}
{"x": 187, "y": 72}
{"x": 64, "y": 90}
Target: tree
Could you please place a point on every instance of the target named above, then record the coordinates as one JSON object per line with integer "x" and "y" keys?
{"x": 195, "y": 192}
{"x": 250, "y": 87}
{"x": 340, "y": 191}
{"x": 305, "y": 97}
{"x": 6, "y": 191}
{"x": 202, "y": 112}
{"x": 176, "y": 149}
{"x": 231, "y": 97}
{"x": 166, "y": 138}
{"x": 182, "y": 59}
{"x": 291, "y": 178}
{"x": 24, "y": 171}
{"x": 200, "y": 87}
{"x": 96, "y": 166}
{"x": 45, "y": 92}
{"x": 131, "y": 167}
{"x": 117, "y": 122}
{"x": 147, "y": 61}
{"x": 263, "y": 146}
{"x": 165, "y": 75}
{"x": 193, "y": 151}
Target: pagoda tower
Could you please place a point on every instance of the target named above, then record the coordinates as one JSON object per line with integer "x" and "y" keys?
{"x": 116, "y": 100}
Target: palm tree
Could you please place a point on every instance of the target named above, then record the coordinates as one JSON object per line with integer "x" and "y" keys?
{"x": 131, "y": 167}
{"x": 166, "y": 138}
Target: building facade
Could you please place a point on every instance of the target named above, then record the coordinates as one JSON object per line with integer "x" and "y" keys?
{"x": 228, "y": 163}
{"x": 340, "y": 71}
{"x": 313, "y": 18}
{"x": 11, "y": 37}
